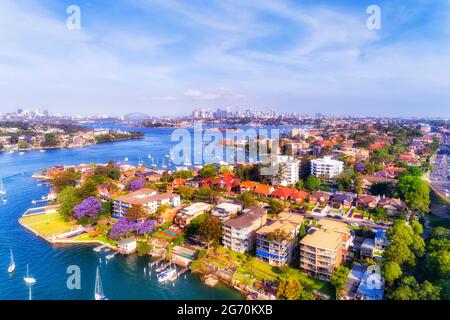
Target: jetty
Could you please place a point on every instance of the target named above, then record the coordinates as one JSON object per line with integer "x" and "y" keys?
{"x": 111, "y": 255}
{"x": 100, "y": 248}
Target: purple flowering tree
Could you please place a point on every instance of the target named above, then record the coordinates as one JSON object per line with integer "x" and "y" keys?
{"x": 137, "y": 184}
{"x": 124, "y": 226}
{"x": 89, "y": 208}
{"x": 145, "y": 227}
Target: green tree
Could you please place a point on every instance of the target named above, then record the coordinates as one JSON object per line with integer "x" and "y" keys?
{"x": 312, "y": 183}
{"x": 339, "y": 278}
{"x": 210, "y": 231}
{"x": 391, "y": 271}
{"x": 302, "y": 231}
{"x": 299, "y": 185}
{"x": 289, "y": 290}
{"x": 276, "y": 206}
{"x": 206, "y": 194}
{"x": 186, "y": 193}
{"x": 64, "y": 179}
{"x": 415, "y": 192}
{"x": 50, "y": 140}
{"x": 248, "y": 198}
{"x": 67, "y": 200}
{"x": 417, "y": 227}
{"x": 143, "y": 248}
{"x": 208, "y": 171}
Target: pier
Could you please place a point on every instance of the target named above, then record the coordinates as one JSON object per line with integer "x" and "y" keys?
{"x": 99, "y": 248}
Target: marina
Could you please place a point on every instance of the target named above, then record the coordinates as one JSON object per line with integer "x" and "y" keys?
{"x": 123, "y": 277}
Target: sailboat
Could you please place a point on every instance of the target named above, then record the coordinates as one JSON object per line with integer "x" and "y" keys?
{"x": 126, "y": 159}
{"x": 98, "y": 293}
{"x": 29, "y": 279}
{"x": 12, "y": 265}
{"x": 4, "y": 200}
{"x": 2, "y": 189}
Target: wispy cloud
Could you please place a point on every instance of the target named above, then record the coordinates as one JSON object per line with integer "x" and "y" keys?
{"x": 173, "y": 55}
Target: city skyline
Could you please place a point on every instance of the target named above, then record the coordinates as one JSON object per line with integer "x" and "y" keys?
{"x": 168, "y": 58}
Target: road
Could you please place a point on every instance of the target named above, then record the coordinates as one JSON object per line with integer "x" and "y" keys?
{"x": 439, "y": 178}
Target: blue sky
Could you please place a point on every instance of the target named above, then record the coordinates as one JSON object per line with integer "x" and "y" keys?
{"x": 166, "y": 57}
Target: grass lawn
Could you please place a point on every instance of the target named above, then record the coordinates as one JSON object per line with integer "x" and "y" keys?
{"x": 249, "y": 268}
{"x": 48, "y": 224}
{"x": 87, "y": 238}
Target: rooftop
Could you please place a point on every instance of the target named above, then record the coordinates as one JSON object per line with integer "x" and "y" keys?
{"x": 325, "y": 239}
{"x": 247, "y": 218}
{"x": 144, "y": 196}
{"x": 195, "y": 208}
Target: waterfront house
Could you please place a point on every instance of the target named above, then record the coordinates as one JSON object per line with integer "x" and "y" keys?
{"x": 276, "y": 242}
{"x": 240, "y": 233}
{"x": 149, "y": 199}
{"x": 186, "y": 215}
{"x": 127, "y": 246}
{"x": 226, "y": 210}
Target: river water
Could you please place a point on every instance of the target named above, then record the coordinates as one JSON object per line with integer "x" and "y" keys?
{"x": 123, "y": 277}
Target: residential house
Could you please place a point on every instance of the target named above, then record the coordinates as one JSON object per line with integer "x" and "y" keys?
{"x": 319, "y": 197}
{"x": 367, "y": 201}
{"x": 381, "y": 240}
{"x": 342, "y": 199}
{"x": 127, "y": 246}
{"x": 226, "y": 210}
{"x": 392, "y": 205}
{"x": 186, "y": 215}
{"x": 283, "y": 193}
{"x": 367, "y": 248}
{"x": 371, "y": 286}
{"x": 240, "y": 233}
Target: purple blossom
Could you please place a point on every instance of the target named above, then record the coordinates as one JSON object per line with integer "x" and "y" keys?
{"x": 137, "y": 184}
{"x": 124, "y": 226}
{"x": 90, "y": 208}
{"x": 360, "y": 166}
{"x": 145, "y": 227}
{"x": 27, "y": 139}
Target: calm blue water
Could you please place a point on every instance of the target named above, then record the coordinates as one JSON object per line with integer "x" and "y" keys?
{"x": 123, "y": 277}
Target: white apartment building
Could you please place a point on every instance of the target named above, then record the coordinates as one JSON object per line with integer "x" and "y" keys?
{"x": 149, "y": 199}
{"x": 288, "y": 171}
{"x": 326, "y": 167}
{"x": 240, "y": 233}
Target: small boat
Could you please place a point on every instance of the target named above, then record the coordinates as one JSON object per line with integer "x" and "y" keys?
{"x": 126, "y": 159}
{"x": 29, "y": 279}
{"x": 11, "y": 151}
{"x": 12, "y": 264}
{"x": 98, "y": 293}
{"x": 2, "y": 189}
{"x": 42, "y": 151}
{"x": 21, "y": 153}
{"x": 4, "y": 200}
{"x": 168, "y": 274}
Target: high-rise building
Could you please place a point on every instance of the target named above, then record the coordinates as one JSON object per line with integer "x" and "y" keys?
{"x": 326, "y": 168}
{"x": 288, "y": 171}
